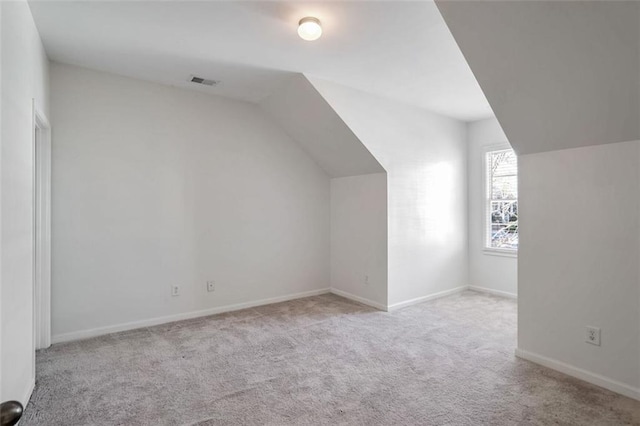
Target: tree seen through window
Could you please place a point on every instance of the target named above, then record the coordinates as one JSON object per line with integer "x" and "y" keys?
{"x": 502, "y": 189}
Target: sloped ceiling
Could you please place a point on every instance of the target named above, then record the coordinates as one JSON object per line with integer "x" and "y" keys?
{"x": 402, "y": 50}
{"x": 556, "y": 74}
{"x": 304, "y": 114}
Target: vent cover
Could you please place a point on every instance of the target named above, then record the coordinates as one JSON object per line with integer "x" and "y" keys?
{"x": 200, "y": 80}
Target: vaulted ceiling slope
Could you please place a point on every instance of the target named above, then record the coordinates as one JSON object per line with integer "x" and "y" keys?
{"x": 400, "y": 50}
{"x": 557, "y": 74}
{"x": 307, "y": 117}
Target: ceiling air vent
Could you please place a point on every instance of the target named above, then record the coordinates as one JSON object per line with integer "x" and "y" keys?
{"x": 204, "y": 81}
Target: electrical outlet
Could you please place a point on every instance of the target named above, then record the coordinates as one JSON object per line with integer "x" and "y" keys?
{"x": 175, "y": 290}
{"x": 366, "y": 280}
{"x": 211, "y": 286}
{"x": 593, "y": 335}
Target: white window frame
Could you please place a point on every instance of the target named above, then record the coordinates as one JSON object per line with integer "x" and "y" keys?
{"x": 486, "y": 237}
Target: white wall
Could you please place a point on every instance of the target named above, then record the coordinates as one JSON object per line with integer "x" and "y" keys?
{"x": 424, "y": 155}
{"x": 488, "y": 271}
{"x": 1, "y": 203}
{"x": 578, "y": 262}
{"x": 24, "y": 77}
{"x": 359, "y": 238}
{"x": 155, "y": 186}
{"x": 1, "y": 102}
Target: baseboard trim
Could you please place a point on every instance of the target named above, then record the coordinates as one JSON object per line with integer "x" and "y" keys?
{"x": 581, "y": 374}
{"x": 359, "y": 299}
{"x": 86, "y": 334}
{"x": 26, "y": 396}
{"x": 493, "y": 292}
{"x": 417, "y": 300}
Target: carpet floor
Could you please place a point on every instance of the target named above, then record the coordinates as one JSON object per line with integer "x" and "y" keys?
{"x": 321, "y": 360}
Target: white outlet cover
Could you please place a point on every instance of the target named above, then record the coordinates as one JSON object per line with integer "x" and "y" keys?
{"x": 175, "y": 290}
{"x": 592, "y": 335}
{"x": 211, "y": 286}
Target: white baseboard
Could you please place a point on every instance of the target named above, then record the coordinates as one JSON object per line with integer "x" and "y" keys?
{"x": 426, "y": 298}
{"x": 85, "y": 334}
{"x": 362, "y": 300}
{"x": 493, "y": 292}
{"x": 581, "y": 374}
{"x": 26, "y": 396}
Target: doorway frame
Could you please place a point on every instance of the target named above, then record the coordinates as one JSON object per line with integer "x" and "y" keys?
{"x": 41, "y": 229}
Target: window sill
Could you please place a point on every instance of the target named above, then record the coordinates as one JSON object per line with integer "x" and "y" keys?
{"x": 500, "y": 252}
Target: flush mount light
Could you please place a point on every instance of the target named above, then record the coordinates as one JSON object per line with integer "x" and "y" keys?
{"x": 309, "y": 28}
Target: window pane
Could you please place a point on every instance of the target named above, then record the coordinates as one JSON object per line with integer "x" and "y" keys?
{"x": 504, "y": 229}
{"x": 504, "y": 211}
{"x": 504, "y": 187}
{"x": 502, "y": 226}
{"x": 504, "y": 163}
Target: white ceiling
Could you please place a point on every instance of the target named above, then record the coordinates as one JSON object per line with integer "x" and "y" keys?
{"x": 401, "y": 50}
{"x": 573, "y": 74}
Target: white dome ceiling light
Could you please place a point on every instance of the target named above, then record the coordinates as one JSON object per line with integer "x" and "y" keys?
{"x": 309, "y": 28}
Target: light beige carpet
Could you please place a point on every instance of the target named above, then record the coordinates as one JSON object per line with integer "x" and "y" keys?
{"x": 318, "y": 361}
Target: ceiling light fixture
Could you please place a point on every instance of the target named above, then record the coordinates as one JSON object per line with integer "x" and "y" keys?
{"x": 309, "y": 28}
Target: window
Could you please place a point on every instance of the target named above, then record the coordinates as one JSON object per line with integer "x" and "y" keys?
{"x": 502, "y": 200}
